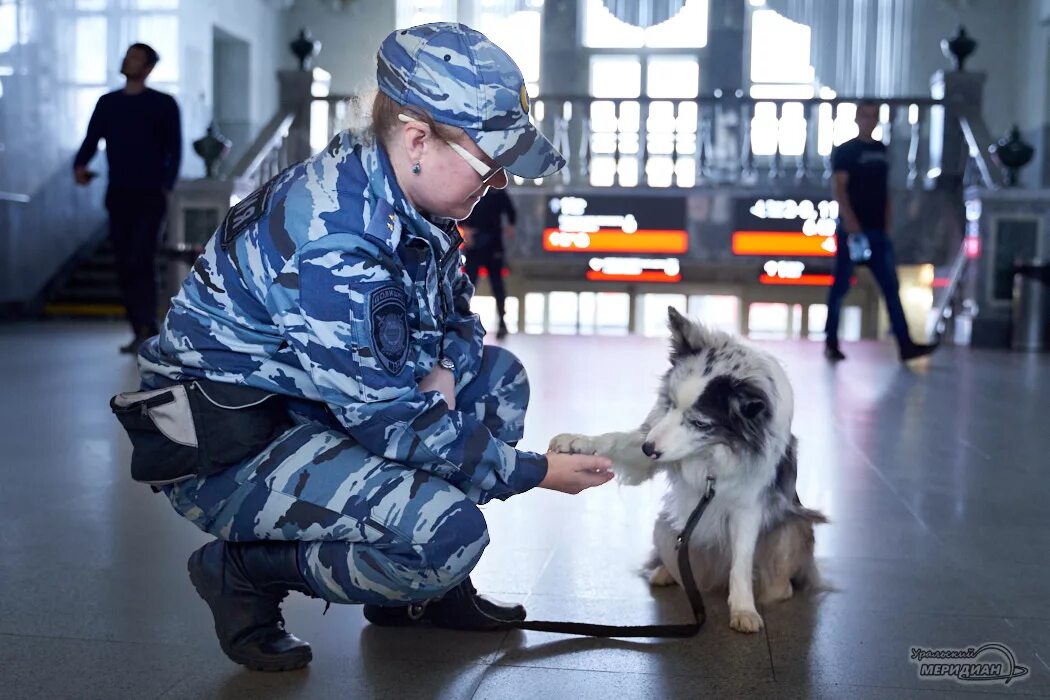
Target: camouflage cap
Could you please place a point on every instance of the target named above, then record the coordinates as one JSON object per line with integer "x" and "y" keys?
{"x": 464, "y": 80}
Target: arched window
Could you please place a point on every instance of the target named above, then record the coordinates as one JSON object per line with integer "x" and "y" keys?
{"x": 780, "y": 69}
{"x": 627, "y": 62}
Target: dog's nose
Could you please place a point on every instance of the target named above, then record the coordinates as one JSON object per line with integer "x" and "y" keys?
{"x": 650, "y": 450}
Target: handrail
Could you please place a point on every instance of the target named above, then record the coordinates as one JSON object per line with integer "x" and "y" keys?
{"x": 938, "y": 315}
{"x": 978, "y": 139}
{"x": 269, "y": 140}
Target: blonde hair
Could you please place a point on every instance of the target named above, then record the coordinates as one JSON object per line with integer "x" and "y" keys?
{"x": 371, "y": 115}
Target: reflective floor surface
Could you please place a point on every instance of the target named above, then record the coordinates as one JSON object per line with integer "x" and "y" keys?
{"x": 936, "y": 479}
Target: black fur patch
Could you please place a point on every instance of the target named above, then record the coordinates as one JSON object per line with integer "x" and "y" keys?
{"x": 739, "y": 409}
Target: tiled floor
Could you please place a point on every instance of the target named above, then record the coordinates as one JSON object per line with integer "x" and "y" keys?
{"x": 936, "y": 478}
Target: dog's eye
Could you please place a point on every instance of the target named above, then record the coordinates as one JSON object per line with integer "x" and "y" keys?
{"x": 700, "y": 423}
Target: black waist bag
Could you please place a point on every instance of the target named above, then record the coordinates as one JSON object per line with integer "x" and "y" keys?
{"x": 198, "y": 428}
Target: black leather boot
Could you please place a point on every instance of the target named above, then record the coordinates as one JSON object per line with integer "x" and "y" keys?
{"x": 459, "y": 609}
{"x": 244, "y": 583}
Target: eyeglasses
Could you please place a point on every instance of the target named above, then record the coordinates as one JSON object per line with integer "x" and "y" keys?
{"x": 473, "y": 161}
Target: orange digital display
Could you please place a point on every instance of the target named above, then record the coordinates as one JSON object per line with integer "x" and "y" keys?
{"x": 644, "y": 276}
{"x": 646, "y": 241}
{"x": 803, "y": 280}
{"x": 771, "y": 244}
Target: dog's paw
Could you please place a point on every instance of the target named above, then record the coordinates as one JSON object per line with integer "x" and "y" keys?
{"x": 660, "y": 576}
{"x": 572, "y": 444}
{"x": 748, "y": 621}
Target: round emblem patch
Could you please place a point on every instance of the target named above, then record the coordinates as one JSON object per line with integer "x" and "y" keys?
{"x": 388, "y": 318}
{"x": 392, "y": 332}
{"x": 524, "y": 94}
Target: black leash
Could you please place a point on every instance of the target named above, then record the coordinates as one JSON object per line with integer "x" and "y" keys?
{"x": 696, "y": 602}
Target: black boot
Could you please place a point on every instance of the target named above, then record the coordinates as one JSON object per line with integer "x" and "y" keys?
{"x": 833, "y": 353}
{"x": 244, "y": 584}
{"x": 459, "y": 609}
{"x": 911, "y": 351}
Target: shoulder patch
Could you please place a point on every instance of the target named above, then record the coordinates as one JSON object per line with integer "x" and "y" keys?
{"x": 246, "y": 212}
{"x": 385, "y": 225}
{"x": 388, "y": 322}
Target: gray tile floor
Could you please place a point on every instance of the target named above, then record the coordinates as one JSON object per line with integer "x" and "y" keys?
{"x": 936, "y": 478}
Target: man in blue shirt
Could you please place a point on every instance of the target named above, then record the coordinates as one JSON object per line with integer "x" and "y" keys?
{"x": 143, "y": 149}
{"x": 860, "y": 186}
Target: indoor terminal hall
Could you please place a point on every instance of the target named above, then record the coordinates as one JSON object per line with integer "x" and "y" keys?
{"x": 538, "y": 349}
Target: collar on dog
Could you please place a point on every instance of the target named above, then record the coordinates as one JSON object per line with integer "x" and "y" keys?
{"x": 685, "y": 570}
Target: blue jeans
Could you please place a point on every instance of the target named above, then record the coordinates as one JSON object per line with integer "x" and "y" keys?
{"x": 883, "y": 266}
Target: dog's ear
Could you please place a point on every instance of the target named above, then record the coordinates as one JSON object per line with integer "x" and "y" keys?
{"x": 684, "y": 337}
{"x": 752, "y": 408}
{"x": 749, "y": 403}
{"x": 687, "y": 336}
{"x": 749, "y": 415}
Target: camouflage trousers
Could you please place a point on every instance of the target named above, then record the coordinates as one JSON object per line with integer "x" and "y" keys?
{"x": 369, "y": 530}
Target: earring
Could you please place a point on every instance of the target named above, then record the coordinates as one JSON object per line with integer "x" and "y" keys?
{"x": 416, "y": 168}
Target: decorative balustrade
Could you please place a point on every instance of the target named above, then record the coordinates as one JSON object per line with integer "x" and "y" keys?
{"x": 713, "y": 140}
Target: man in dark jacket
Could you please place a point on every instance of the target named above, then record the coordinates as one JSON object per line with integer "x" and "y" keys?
{"x": 483, "y": 244}
{"x": 143, "y": 149}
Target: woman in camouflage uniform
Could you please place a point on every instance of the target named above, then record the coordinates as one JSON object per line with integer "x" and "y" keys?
{"x": 338, "y": 285}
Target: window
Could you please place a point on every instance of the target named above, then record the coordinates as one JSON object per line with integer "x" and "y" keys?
{"x": 517, "y": 33}
{"x": 716, "y": 311}
{"x": 818, "y": 318}
{"x": 652, "y": 312}
{"x": 101, "y": 31}
{"x": 485, "y": 308}
{"x": 535, "y": 312}
{"x": 90, "y": 37}
{"x": 779, "y": 49}
{"x": 687, "y": 29}
{"x": 564, "y": 312}
{"x": 161, "y": 31}
{"x": 622, "y": 68}
{"x": 414, "y": 12}
{"x": 768, "y": 320}
{"x": 780, "y": 69}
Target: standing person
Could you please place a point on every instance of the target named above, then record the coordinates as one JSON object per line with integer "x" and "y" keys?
{"x": 484, "y": 232}
{"x": 860, "y": 185}
{"x": 143, "y": 150}
{"x": 334, "y": 293}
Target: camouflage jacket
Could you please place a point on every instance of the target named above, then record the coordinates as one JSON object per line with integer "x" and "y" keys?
{"x": 327, "y": 285}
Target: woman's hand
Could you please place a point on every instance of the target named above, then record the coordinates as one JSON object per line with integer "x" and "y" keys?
{"x": 574, "y": 473}
{"x": 440, "y": 379}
